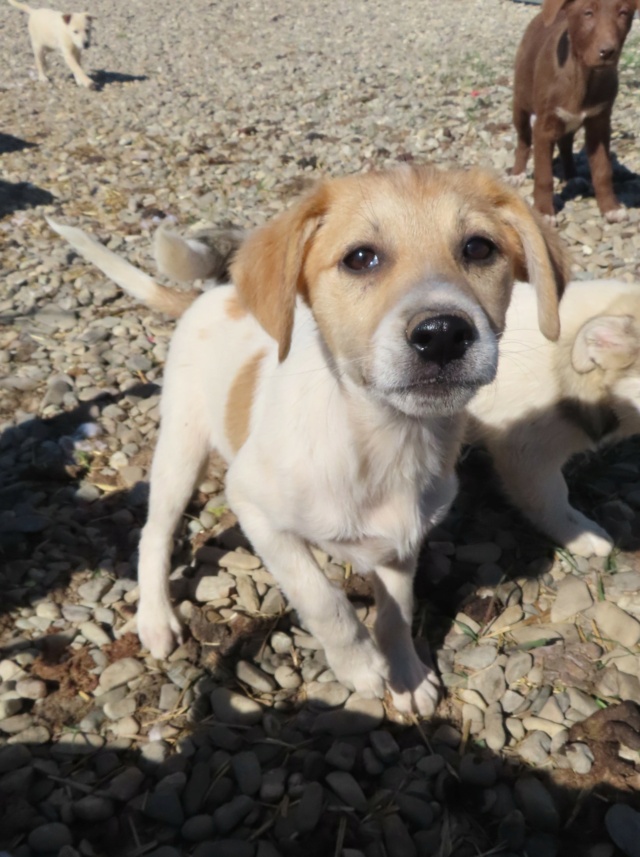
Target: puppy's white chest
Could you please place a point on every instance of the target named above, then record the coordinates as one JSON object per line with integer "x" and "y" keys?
{"x": 573, "y": 121}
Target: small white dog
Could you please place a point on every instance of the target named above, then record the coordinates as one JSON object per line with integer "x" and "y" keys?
{"x": 68, "y": 33}
{"x": 332, "y": 376}
{"x": 552, "y": 400}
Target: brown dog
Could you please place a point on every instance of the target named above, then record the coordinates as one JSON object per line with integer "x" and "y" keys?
{"x": 566, "y": 76}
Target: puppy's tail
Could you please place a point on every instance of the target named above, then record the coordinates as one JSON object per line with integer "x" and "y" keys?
{"x": 24, "y": 6}
{"x": 206, "y": 256}
{"x": 134, "y": 281}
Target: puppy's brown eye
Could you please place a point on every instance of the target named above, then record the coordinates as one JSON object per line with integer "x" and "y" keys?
{"x": 361, "y": 259}
{"x": 478, "y": 249}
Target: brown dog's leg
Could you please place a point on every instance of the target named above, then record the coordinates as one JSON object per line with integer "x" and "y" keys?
{"x": 597, "y": 134}
{"x": 565, "y": 145}
{"x": 543, "y": 170}
{"x": 522, "y": 122}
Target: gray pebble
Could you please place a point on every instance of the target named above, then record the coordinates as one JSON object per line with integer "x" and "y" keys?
{"x": 164, "y": 806}
{"x": 234, "y": 708}
{"x": 347, "y": 789}
{"x": 415, "y": 810}
{"x": 623, "y": 826}
{"x": 246, "y": 770}
{"x": 13, "y": 757}
{"x": 231, "y": 814}
{"x": 287, "y": 677}
{"x": 272, "y": 787}
{"x": 255, "y": 677}
{"x": 535, "y": 748}
{"x": 537, "y": 805}
{"x": 50, "y": 837}
{"x": 307, "y": 813}
{"x": 341, "y": 755}
{"x": 323, "y": 695}
{"x": 477, "y": 771}
{"x": 125, "y": 785}
{"x": 385, "y": 746}
{"x": 397, "y": 839}
{"x": 511, "y": 830}
{"x": 198, "y": 828}
{"x": 93, "y": 808}
{"x": 120, "y": 672}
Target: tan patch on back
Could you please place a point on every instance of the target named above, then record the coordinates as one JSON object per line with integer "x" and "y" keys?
{"x": 234, "y": 309}
{"x": 238, "y": 410}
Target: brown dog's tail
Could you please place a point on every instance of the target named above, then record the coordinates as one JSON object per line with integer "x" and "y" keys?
{"x": 135, "y": 282}
{"x": 24, "y": 6}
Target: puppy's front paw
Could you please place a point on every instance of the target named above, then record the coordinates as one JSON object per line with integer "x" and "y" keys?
{"x": 360, "y": 666}
{"x": 616, "y": 215}
{"x": 591, "y": 544}
{"x": 159, "y": 630}
{"x": 516, "y": 180}
{"x": 415, "y": 688}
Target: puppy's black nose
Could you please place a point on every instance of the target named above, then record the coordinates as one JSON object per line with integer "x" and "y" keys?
{"x": 441, "y": 338}
{"x": 607, "y": 53}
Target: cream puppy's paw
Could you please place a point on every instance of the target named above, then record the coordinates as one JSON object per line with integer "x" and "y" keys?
{"x": 416, "y": 690}
{"x": 590, "y": 544}
{"x": 516, "y": 180}
{"x": 159, "y": 630}
{"x": 360, "y": 666}
{"x": 583, "y": 537}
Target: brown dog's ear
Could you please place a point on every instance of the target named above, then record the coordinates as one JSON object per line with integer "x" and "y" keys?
{"x": 606, "y": 342}
{"x": 66, "y": 18}
{"x": 542, "y": 260}
{"x": 551, "y": 10}
{"x": 268, "y": 268}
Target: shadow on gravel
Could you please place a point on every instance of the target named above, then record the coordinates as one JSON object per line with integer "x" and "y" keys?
{"x": 626, "y": 184}
{"x": 216, "y": 778}
{"x": 104, "y": 78}
{"x": 20, "y": 195}
{"x": 9, "y": 143}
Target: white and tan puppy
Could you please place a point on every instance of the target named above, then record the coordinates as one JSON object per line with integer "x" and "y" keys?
{"x": 332, "y": 375}
{"x": 552, "y": 400}
{"x": 50, "y": 30}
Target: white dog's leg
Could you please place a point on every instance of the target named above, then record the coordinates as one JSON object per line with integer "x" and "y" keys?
{"x": 40, "y": 53}
{"x": 325, "y": 609}
{"x": 177, "y": 462}
{"x": 542, "y": 495}
{"x": 414, "y": 685}
{"x": 72, "y": 58}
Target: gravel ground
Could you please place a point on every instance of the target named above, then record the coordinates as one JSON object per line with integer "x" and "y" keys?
{"x": 243, "y": 743}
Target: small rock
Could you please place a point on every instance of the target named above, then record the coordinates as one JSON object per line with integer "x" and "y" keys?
{"x": 385, "y": 746}
{"x": 573, "y": 596}
{"x": 234, "y": 709}
{"x": 50, "y": 837}
{"x": 31, "y": 688}
{"x": 358, "y": 715}
{"x": 253, "y": 676}
{"x": 347, "y": 789}
{"x": 580, "y": 757}
{"x": 535, "y": 748}
{"x": 287, "y": 677}
{"x": 326, "y": 694}
{"x": 120, "y": 672}
{"x": 623, "y": 826}
{"x": 164, "y": 806}
{"x": 616, "y": 625}
{"x": 490, "y": 683}
{"x": 478, "y": 553}
{"x": 94, "y": 634}
{"x": 307, "y": 813}
{"x": 198, "y": 828}
{"x": 537, "y": 805}
{"x": 246, "y": 770}
{"x": 212, "y": 587}
{"x": 231, "y": 814}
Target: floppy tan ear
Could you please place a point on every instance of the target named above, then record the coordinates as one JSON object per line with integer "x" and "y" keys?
{"x": 268, "y": 268}
{"x": 542, "y": 261}
{"x": 551, "y": 10}
{"x": 606, "y": 342}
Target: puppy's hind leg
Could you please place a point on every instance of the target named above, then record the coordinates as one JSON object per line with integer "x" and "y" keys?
{"x": 180, "y": 454}
{"x": 40, "y": 54}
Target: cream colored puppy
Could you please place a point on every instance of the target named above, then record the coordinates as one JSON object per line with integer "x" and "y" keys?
{"x": 68, "y": 33}
{"x": 552, "y": 400}
{"x": 332, "y": 375}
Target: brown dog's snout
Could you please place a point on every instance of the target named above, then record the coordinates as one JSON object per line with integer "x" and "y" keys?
{"x": 607, "y": 52}
{"x": 442, "y": 338}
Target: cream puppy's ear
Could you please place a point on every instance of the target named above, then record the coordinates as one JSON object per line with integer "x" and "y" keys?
{"x": 542, "y": 260}
{"x": 268, "y": 268}
{"x": 606, "y": 342}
